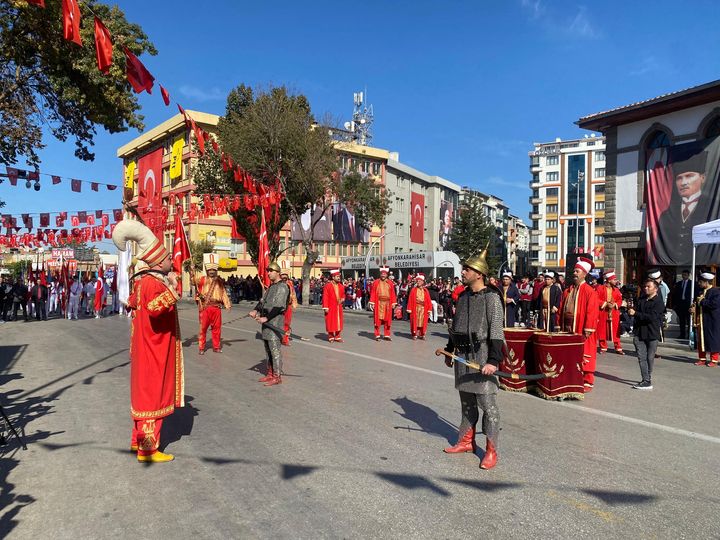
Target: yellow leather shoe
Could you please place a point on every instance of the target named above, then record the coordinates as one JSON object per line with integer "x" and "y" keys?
{"x": 157, "y": 457}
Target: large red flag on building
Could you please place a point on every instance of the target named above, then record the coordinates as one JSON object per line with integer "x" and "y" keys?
{"x": 417, "y": 217}
{"x": 71, "y": 21}
{"x": 263, "y": 251}
{"x": 181, "y": 250}
{"x": 103, "y": 46}
{"x": 149, "y": 190}
{"x": 137, "y": 74}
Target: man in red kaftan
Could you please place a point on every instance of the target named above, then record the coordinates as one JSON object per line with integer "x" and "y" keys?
{"x": 332, "y": 301}
{"x": 579, "y": 312}
{"x": 211, "y": 298}
{"x": 382, "y": 301}
{"x": 610, "y": 299}
{"x": 156, "y": 361}
{"x": 419, "y": 307}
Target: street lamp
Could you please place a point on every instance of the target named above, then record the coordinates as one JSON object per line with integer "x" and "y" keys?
{"x": 580, "y": 178}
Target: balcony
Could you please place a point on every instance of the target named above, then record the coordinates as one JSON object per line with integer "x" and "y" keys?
{"x": 536, "y": 216}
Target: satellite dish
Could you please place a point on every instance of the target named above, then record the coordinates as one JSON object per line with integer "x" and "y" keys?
{"x": 348, "y": 125}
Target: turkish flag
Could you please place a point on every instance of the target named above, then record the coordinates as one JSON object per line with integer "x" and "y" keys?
{"x": 94, "y": 186}
{"x": 44, "y": 220}
{"x": 40, "y": 3}
{"x": 76, "y": 185}
{"x": 263, "y": 251}
{"x": 181, "y": 250}
{"x": 56, "y": 180}
{"x": 137, "y": 74}
{"x": 103, "y": 46}
{"x": 417, "y": 217}
{"x": 71, "y": 21}
{"x": 165, "y": 95}
{"x": 117, "y": 214}
{"x": 150, "y": 189}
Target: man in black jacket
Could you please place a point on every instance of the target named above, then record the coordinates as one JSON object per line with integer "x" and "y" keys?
{"x": 19, "y": 298}
{"x": 39, "y": 296}
{"x": 681, "y": 302}
{"x": 648, "y": 320}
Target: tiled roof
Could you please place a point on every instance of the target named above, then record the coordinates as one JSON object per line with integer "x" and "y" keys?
{"x": 647, "y": 102}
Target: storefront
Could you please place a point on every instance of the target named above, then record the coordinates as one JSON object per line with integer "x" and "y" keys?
{"x": 443, "y": 264}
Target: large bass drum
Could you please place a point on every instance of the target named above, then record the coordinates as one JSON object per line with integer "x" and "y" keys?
{"x": 562, "y": 353}
{"x": 518, "y": 358}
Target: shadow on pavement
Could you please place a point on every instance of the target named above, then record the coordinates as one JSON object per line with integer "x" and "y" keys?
{"x": 618, "y": 498}
{"x": 613, "y": 378}
{"x": 426, "y": 419}
{"x": 366, "y": 334}
{"x": 179, "y": 423}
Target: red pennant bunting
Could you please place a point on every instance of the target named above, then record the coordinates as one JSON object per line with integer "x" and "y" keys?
{"x": 74, "y": 221}
{"x": 76, "y": 185}
{"x": 165, "y": 95}
{"x": 82, "y": 216}
{"x": 94, "y": 186}
{"x": 117, "y": 214}
{"x": 44, "y": 220}
{"x": 12, "y": 174}
{"x": 59, "y": 221}
{"x": 110, "y": 187}
{"x": 55, "y": 180}
{"x": 90, "y": 220}
{"x": 40, "y": 3}
{"x": 215, "y": 146}
{"x": 103, "y": 46}
{"x": 137, "y": 74}
{"x": 71, "y": 21}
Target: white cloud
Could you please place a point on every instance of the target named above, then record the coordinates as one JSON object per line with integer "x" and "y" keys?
{"x": 578, "y": 26}
{"x": 201, "y": 94}
{"x": 535, "y": 8}
{"x": 581, "y": 25}
{"x": 649, "y": 64}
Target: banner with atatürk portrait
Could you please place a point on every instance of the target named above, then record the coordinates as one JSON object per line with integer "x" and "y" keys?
{"x": 681, "y": 192}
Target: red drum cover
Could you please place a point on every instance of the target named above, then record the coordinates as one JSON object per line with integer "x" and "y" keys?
{"x": 518, "y": 358}
{"x": 563, "y": 354}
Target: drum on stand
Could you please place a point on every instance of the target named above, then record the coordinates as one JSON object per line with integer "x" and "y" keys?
{"x": 518, "y": 358}
{"x": 562, "y": 353}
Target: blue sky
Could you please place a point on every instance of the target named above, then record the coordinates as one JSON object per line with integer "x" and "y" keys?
{"x": 460, "y": 89}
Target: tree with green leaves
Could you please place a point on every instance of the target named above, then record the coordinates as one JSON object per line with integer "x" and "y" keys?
{"x": 273, "y": 134}
{"x": 197, "y": 250}
{"x": 473, "y": 231}
{"x": 49, "y": 82}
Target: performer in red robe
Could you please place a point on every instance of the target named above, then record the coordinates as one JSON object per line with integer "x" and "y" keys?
{"x": 156, "y": 361}
{"x": 610, "y": 299}
{"x": 211, "y": 298}
{"x": 419, "y": 307}
{"x": 579, "y": 311}
{"x": 292, "y": 306}
{"x": 383, "y": 301}
{"x": 332, "y": 301}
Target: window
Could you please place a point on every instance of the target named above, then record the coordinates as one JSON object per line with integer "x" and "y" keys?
{"x": 552, "y": 176}
{"x": 599, "y": 188}
{"x": 551, "y": 256}
{"x": 600, "y": 205}
{"x": 658, "y": 140}
{"x": 398, "y": 229}
{"x": 375, "y": 168}
{"x": 331, "y": 249}
{"x": 535, "y": 161}
{"x": 599, "y": 222}
{"x": 599, "y": 156}
{"x": 713, "y": 129}
{"x": 599, "y": 239}
{"x": 551, "y": 240}
{"x": 400, "y": 204}
{"x": 570, "y": 145}
{"x": 551, "y": 208}
{"x": 552, "y": 160}
{"x": 591, "y": 143}
{"x": 534, "y": 255}
{"x": 535, "y": 208}
{"x": 576, "y": 233}
{"x": 600, "y": 172}
{"x": 551, "y": 192}
{"x": 535, "y": 224}
{"x": 281, "y": 244}
{"x": 536, "y": 193}
{"x": 576, "y": 184}
{"x": 551, "y": 224}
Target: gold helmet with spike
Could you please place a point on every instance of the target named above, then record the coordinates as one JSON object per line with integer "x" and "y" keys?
{"x": 478, "y": 262}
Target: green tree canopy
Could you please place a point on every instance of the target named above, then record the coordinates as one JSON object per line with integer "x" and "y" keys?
{"x": 49, "y": 82}
{"x": 473, "y": 232}
{"x": 273, "y": 135}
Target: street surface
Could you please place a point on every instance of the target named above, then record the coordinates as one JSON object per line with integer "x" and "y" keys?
{"x": 349, "y": 446}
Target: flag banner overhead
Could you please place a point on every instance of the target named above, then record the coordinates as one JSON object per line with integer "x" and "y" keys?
{"x": 149, "y": 190}
{"x": 417, "y": 217}
{"x": 681, "y": 188}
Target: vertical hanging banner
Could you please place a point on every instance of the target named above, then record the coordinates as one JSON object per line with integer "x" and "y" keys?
{"x": 176, "y": 158}
{"x": 417, "y": 217}
{"x": 149, "y": 190}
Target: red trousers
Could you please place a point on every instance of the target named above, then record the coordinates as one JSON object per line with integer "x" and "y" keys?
{"x": 702, "y": 355}
{"x": 386, "y": 328}
{"x": 210, "y": 316}
{"x": 602, "y": 331}
{"x": 146, "y": 435}
{"x": 286, "y": 327}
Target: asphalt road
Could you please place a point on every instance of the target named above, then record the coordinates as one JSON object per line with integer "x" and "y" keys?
{"x": 349, "y": 446}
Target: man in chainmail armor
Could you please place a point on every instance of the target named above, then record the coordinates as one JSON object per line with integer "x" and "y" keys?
{"x": 269, "y": 313}
{"x": 477, "y": 334}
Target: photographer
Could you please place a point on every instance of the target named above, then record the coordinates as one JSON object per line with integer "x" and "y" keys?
{"x": 648, "y": 319}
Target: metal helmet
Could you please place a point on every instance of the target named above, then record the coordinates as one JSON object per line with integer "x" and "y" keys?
{"x": 273, "y": 266}
{"x": 478, "y": 263}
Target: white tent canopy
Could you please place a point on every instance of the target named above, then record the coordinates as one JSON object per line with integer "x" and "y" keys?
{"x": 705, "y": 233}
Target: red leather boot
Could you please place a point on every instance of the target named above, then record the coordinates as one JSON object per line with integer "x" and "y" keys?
{"x": 465, "y": 444}
{"x": 270, "y": 375}
{"x": 277, "y": 379}
{"x": 490, "y": 458}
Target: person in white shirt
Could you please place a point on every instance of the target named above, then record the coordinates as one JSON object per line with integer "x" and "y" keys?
{"x": 74, "y": 300}
{"x": 89, "y": 298}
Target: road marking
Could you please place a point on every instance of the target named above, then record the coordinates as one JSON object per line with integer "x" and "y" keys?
{"x": 597, "y": 412}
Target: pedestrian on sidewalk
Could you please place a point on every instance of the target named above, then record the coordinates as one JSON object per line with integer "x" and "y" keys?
{"x": 706, "y": 312}
{"x": 648, "y": 320}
